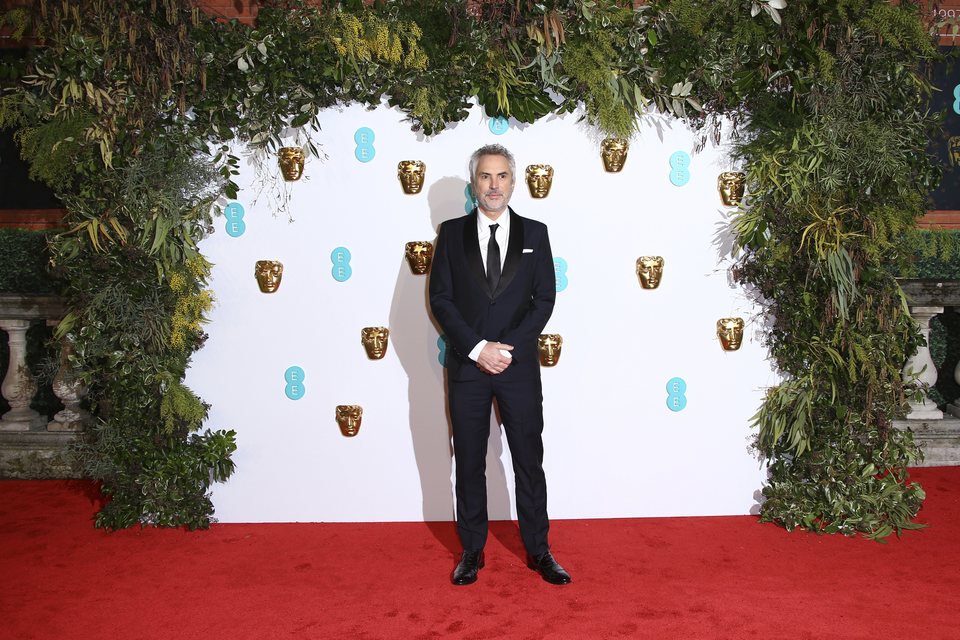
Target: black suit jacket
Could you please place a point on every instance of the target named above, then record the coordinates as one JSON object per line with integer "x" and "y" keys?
{"x": 469, "y": 312}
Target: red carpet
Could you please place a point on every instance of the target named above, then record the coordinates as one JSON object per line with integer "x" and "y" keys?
{"x": 723, "y": 577}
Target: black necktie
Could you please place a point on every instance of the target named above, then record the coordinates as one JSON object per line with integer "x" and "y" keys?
{"x": 493, "y": 259}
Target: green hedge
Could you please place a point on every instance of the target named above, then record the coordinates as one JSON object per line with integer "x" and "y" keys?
{"x": 932, "y": 253}
{"x": 23, "y": 262}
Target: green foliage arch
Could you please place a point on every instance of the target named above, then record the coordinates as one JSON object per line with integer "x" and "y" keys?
{"x": 127, "y": 106}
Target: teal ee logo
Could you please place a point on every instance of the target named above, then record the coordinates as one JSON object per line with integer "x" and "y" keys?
{"x": 471, "y": 199}
{"x": 364, "y": 139}
{"x": 341, "y": 271}
{"x": 560, "y": 270}
{"x": 442, "y": 346}
{"x": 956, "y": 103}
{"x": 235, "y": 225}
{"x": 294, "y": 378}
{"x": 680, "y": 165}
{"x": 499, "y": 125}
{"x": 676, "y": 388}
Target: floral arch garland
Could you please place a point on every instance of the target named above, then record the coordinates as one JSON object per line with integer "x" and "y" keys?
{"x": 128, "y": 109}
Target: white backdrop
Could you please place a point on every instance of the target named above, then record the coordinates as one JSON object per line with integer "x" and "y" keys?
{"x": 613, "y": 448}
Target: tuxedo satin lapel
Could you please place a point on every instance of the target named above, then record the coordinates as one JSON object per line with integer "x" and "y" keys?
{"x": 471, "y": 249}
{"x": 514, "y": 251}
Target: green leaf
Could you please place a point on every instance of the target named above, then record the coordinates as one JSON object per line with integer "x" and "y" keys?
{"x": 301, "y": 120}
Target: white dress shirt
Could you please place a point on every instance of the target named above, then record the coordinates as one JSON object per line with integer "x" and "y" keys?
{"x": 503, "y": 235}
{"x": 503, "y": 239}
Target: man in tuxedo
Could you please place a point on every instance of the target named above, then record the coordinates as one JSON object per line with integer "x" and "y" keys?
{"x": 492, "y": 289}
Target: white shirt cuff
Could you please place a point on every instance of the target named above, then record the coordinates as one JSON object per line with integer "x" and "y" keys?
{"x": 475, "y": 353}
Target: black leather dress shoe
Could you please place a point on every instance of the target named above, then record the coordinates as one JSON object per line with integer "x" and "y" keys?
{"x": 467, "y": 569}
{"x": 549, "y": 569}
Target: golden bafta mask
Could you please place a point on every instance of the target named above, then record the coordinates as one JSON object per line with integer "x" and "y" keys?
{"x": 730, "y": 184}
{"x": 730, "y": 332}
{"x": 649, "y": 271}
{"x": 419, "y": 256}
{"x": 549, "y": 345}
{"x": 614, "y": 153}
{"x": 374, "y": 340}
{"x": 539, "y": 180}
{"x": 268, "y": 273}
{"x": 411, "y": 174}
{"x": 291, "y": 160}
{"x": 349, "y": 417}
{"x": 953, "y": 150}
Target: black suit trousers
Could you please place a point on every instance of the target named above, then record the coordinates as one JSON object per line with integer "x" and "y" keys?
{"x": 521, "y": 408}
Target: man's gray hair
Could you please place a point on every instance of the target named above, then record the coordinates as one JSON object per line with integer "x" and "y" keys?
{"x": 491, "y": 150}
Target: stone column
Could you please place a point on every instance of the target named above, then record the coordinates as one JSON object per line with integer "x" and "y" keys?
{"x": 921, "y": 366}
{"x": 18, "y": 385}
{"x": 70, "y": 391}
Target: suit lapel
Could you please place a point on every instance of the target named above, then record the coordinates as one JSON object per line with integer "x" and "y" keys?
{"x": 514, "y": 251}
{"x": 471, "y": 249}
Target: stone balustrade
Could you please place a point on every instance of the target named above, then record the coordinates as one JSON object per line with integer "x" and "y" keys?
{"x": 32, "y": 445}
{"x": 937, "y": 434}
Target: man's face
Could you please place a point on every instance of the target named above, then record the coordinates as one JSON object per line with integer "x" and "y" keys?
{"x": 493, "y": 185}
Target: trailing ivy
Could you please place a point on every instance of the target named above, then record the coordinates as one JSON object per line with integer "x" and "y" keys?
{"x": 130, "y": 109}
